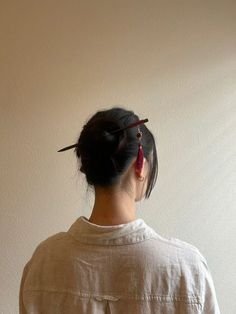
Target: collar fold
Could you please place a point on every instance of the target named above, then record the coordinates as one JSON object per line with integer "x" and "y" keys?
{"x": 132, "y": 232}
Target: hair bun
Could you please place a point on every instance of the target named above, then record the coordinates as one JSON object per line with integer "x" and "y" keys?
{"x": 100, "y": 140}
{"x": 108, "y": 137}
{"x": 106, "y": 142}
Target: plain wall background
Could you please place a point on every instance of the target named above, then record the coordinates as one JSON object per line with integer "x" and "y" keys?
{"x": 173, "y": 62}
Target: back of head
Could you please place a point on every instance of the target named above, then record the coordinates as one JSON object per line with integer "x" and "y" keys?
{"x": 104, "y": 156}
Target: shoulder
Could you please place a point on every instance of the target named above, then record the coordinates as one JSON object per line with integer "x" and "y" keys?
{"x": 176, "y": 252}
{"x": 44, "y": 249}
{"x": 182, "y": 257}
{"x": 49, "y": 246}
{"x": 190, "y": 251}
{"x": 51, "y": 240}
{"x": 188, "y": 248}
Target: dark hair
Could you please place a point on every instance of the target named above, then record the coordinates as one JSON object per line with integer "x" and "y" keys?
{"x": 104, "y": 156}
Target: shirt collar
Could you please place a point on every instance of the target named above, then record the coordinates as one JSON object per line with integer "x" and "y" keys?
{"x": 132, "y": 232}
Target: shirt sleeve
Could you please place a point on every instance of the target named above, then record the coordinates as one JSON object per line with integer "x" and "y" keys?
{"x": 22, "y": 309}
{"x": 209, "y": 299}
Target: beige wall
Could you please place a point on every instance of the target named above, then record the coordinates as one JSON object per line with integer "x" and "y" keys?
{"x": 173, "y": 62}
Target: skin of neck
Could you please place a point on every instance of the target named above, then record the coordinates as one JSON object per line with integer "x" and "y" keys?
{"x": 116, "y": 205}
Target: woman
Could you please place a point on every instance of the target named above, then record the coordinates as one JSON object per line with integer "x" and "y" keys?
{"x": 114, "y": 262}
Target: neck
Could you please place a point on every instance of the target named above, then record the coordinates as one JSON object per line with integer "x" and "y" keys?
{"x": 112, "y": 208}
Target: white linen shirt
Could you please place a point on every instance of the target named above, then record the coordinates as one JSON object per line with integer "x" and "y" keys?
{"x": 119, "y": 269}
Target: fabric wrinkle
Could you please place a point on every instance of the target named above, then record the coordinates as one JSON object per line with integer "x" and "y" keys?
{"x": 126, "y": 268}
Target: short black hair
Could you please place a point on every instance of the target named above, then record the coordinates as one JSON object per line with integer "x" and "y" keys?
{"x": 103, "y": 157}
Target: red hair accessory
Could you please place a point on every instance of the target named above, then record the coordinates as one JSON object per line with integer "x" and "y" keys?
{"x": 139, "y": 160}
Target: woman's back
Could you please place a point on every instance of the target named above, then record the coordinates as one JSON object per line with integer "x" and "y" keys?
{"x": 126, "y": 268}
